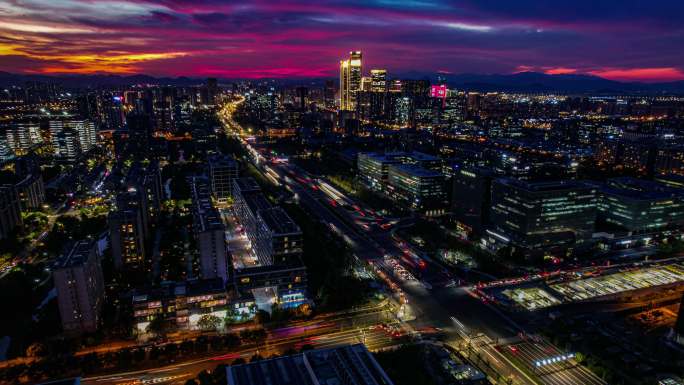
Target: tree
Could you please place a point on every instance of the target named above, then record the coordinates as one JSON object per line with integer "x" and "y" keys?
{"x": 231, "y": 340}
{"x": 36, "y": 350}
{"x": 209, "y": 322}
{"x": 262, "y": 317}
{"x": 253, "y": 336}
{"x": 157, "y": 326}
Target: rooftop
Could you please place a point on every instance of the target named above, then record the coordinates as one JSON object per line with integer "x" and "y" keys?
{"x": 640, "y": 189}
{"x": 546, "y": 186}
{"x": 247, "y": 184}
{"x": 279, "y": 221}
{"x": 346, "y": 364}
{"x": 76, "y": 256}
{"x": 256, "y": 201}
{"x": 416, "y": 171}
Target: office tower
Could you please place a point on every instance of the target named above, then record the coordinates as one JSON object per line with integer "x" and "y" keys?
{"x": 209, "y": 232}
{"x": 417, "y": 188}
{"x": 365, "y": 83}
{"x": 222, "y": 171}
{"x": 350, "y": 80}
{"x": 80, "y": 287}
{"x": 127, "y": 232}
{"x": 329, "y": 94}
{"x": 537, "y": 216}
{"x": 212, "y": 91}
{"x": 350, "y": 364}
{"x": 378, "y": 80}
{"x": 638, "y": 205}
{"x": 471, "y": 198}
{"x": 10, "y": 210}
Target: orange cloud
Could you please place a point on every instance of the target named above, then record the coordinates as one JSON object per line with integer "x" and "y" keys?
{"x": 113, "y": 62}
{"x": 641, "y": 74}
{"x": 560, "y": 71}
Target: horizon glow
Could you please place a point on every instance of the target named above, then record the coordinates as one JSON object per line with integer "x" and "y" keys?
{"x": 626, "y": 41}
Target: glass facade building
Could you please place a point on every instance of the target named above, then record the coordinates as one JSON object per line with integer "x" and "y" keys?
{"x": 539, "y": 215}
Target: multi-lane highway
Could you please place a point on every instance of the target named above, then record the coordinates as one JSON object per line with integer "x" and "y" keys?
{"x": 374, "y": 337}
{"x": 455, "y": 310}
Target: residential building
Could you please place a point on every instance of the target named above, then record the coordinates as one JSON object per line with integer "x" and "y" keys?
{"x": 10, "y": 210}
{"x": 79, "y": 284}
{"x": 209, "y": 232}
{"x": 128, "y": 232}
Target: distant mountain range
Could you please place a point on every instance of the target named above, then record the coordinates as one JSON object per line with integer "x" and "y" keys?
{"x": 519, "y": 82}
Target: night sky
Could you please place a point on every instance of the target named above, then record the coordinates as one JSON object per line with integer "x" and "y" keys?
{"x": 616, "y": 39}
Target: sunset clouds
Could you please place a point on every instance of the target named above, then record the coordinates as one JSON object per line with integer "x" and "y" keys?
{"x": 622, "y": 40}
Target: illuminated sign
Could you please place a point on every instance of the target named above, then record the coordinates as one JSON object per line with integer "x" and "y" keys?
{"x": 438, "y": 91}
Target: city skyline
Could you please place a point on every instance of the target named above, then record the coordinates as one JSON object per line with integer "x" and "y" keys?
{"x": 296, "y": 39}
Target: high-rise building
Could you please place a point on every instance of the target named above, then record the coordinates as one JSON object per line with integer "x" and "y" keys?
{"x": 209, "y": 232}
{"x": 72, "y": 136}
{"x": 31, "y": 191}
{"x": 163, "y": 103}
{"x": 471, "y": 198}
{"x": 10, "y": 210}
{"x": 222, "y": 171}
{"x": 21, "y": 137}
{"x": 127, "y": 232}
{"x": 329, "y": 94}
{"x": 212, "y": 91}
{"x": 378, "y": 80}
{"x": 350, "y": 80}
{"x": 80, "y": 287}
{"x": 366, "y": 83}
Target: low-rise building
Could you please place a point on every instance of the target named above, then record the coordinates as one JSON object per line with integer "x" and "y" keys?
{"x": 543, "y": 217}
{"x": 638, "y": 205}
{"x": 350, "y": 364}
{"x": 417, "y": 188}
{"x": 180, "y": 304}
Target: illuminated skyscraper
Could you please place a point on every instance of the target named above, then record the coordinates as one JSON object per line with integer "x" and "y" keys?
{"x": 350, "y": 80}
{"x": 365, "y": 83}
{"x": 378, "y": 80}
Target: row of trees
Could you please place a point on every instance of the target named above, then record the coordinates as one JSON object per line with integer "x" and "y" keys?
{"x": 52, "y": 366}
